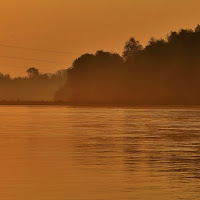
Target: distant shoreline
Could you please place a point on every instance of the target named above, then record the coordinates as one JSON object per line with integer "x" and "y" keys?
{"x": 62, "y": 103}
{"x": 32, "y": 103}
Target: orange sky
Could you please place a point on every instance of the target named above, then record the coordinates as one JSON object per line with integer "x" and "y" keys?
{"x": 81, "y": 26}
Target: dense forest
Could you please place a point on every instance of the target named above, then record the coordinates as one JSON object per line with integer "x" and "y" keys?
{"x": 165, "y": 71}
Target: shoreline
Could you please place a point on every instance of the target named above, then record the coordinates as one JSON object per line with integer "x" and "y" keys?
{"x": 15, "y": 103}
{"x": 62, "y": 103}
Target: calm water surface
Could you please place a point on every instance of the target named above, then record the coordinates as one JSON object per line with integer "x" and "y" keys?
{"x": 99, "y": 153}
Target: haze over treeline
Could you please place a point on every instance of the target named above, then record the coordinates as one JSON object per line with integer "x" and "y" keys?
{"x": 34, "y": 87}
{"x": 166, "y": 71}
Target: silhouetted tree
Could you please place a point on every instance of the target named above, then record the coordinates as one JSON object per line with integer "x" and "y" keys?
{"x": 197, "y": 29}
{"x": 4, "y": 77}
{"x": 131, "y": 48}
{"x": 33, "y": 72}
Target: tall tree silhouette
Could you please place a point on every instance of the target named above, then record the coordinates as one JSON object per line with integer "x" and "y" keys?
{"x": 33, "y": 72}
{"x": 131, "y": 48}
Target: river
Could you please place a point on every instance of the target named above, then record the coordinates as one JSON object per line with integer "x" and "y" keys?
{"x": 99, "y": 153}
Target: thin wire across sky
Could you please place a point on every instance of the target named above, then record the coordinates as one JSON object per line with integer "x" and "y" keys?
{"x": 34, "y": 49}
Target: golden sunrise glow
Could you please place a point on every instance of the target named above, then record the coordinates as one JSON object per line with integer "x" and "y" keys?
{"x": 80, "y": 26}
{"x": 99, "y": 99}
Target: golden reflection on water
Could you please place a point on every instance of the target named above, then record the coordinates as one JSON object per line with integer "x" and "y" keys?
{"x": 99, "y": 153}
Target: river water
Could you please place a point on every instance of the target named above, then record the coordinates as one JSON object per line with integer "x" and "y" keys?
{"x": 99, "y": 153}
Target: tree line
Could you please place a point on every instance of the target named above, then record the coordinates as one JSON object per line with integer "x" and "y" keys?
{"x": 33, "y": 87}
{"x": 165, "y": 71}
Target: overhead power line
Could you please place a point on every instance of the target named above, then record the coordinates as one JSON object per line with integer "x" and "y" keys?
{"x": 22, "y": 65}
{"x": 35, "y": 49}
{"x": 38, "y": 60}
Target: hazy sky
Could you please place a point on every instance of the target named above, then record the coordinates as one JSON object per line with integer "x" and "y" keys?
{"x": 80, "y": 26}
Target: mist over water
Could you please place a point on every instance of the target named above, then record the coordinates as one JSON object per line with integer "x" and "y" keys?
{"x": 101, "y": 153}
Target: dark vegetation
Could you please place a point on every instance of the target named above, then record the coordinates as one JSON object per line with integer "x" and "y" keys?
{"x": 166, "y": 71}
{"x": 34, "y": 87}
